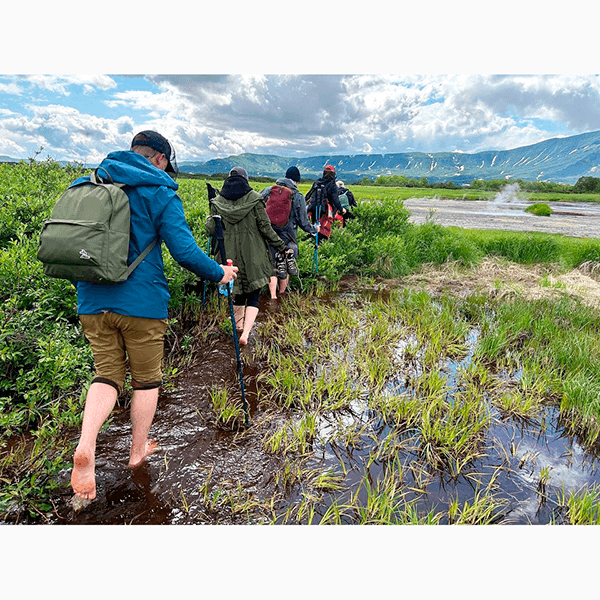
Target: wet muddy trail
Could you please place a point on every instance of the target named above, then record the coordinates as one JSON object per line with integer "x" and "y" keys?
{"x": 205, "y": 473}
{"x": 196, "y": 456}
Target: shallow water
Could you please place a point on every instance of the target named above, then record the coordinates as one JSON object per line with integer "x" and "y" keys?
{"x": 515, "y": 455}
{"x": 200, "y": 466}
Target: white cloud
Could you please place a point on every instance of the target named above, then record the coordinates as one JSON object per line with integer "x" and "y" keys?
{"x": 61, "y": 84}
{"x": 220, "y": 115}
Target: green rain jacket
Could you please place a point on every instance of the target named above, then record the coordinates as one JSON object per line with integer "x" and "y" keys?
{"x": 248, "y": 233}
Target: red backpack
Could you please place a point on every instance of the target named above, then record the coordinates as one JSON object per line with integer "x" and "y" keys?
{"x": 279, "y": 205}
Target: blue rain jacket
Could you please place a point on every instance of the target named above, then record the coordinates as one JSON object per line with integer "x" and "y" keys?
{"x": 156, "y": 213}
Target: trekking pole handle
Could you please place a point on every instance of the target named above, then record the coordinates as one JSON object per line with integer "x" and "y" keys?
{"x": 230, "y": 264}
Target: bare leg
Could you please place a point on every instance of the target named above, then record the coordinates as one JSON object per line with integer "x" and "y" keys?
{"x": 283, "y": 283}
{"x": 238, "y": 312}
{"x": 143, "y": 408}
{"x": 251, "y": 312}
{"x": 99, "y": 402}
{"x": 273, "y": 287}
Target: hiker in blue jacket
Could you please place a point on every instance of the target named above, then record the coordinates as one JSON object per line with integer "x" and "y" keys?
{"x": 125, "y": 322}
{"x": 298, "y": 218}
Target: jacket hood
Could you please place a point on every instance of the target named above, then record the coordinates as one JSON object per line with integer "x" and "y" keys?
{"x": 234, "y": 210}
{"x": 136, "y": 170}
{"x": 235, "y": 187}
{"x": 288, "y": 183}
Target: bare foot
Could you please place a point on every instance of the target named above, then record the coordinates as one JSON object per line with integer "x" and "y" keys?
{"x": 136, "y": 459}
{"x": 243, "y": 340}
{"x": 83, "y": 476}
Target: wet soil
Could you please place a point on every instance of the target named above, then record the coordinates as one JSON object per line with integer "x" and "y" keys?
{"x": 201, "y": 465}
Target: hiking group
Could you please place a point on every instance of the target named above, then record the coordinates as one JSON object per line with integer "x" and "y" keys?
{"x": 122, "y": 301}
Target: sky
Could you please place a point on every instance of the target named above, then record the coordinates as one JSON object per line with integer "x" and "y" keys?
{"x": 222, "y": 86}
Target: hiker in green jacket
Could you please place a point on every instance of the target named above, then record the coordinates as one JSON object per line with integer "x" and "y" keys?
{"x": 248, "y": 234}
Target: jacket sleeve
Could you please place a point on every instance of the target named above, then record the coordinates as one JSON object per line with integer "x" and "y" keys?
{"x": 300, "y": 216}
{"x": 176, "y": 233}
{"x": 264, "y": 226}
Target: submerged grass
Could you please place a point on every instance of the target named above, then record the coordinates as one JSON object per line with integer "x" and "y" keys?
{"x": 415, "y": 384}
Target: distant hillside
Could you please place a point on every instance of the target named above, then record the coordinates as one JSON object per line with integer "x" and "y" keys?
{"x": 561, "y": 160}
{"x": 8, "y": 159}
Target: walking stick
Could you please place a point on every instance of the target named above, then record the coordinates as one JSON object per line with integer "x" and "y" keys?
{"x": 226, "y": 290}
{"x": 204, "y": 283}
{"x": 316, "y": 253}
{"x": 212, "y": 193}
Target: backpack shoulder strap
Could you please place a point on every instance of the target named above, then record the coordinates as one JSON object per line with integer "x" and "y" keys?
{"x": 140, "y": 258}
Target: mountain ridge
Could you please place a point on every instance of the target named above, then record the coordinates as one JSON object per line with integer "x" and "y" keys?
{"x": 560, "y": 160}
{"x": 557, "y": 160}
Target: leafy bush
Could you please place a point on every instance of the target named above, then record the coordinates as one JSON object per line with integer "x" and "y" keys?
{"x": 540, "y": 209}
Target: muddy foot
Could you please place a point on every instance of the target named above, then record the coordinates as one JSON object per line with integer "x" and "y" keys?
{"x": 83, "y": 477}
{"x": 136, "y": 460}
{"x": 78, "y": 503}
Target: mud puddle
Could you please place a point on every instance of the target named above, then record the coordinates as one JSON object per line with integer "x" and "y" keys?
{"x": 204, "y": 473}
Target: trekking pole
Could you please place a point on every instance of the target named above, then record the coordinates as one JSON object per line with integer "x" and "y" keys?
{"x": 316, "y": 253}
{"x": 204, "y": 283}
{"x": 211, "y": 193}
{"x": 227, "y": 290}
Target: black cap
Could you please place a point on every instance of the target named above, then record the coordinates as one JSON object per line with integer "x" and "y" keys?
{"x": 156, "y": 141}
{"x": 293, "y": 173}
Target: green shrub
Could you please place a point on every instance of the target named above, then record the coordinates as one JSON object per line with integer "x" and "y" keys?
{"x": 540, "y": 209}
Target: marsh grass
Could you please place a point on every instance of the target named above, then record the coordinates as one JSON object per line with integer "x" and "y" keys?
{"x": 580, "y": 507}
{"x": 418, "y": 375}
{"x": 483, "y": 509}
{"x": 228, "y": 410}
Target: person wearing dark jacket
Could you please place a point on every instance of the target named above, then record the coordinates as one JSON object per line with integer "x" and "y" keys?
{"x": 328, "y": 206}
{"x": 298, "y": 218}
{"x": 248, "y": 234}
{"x": 125, "y": 322}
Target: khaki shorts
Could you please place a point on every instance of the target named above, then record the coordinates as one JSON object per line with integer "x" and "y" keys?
{"x": 118, "y": 339}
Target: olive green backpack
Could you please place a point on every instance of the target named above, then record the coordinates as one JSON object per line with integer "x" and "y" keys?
{"x": 86, "y": 237}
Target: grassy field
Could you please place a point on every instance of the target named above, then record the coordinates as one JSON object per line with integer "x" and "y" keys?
{"x": 46, "y": 365}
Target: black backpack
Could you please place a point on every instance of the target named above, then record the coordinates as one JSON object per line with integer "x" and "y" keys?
{"x": 318, "y": 197}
